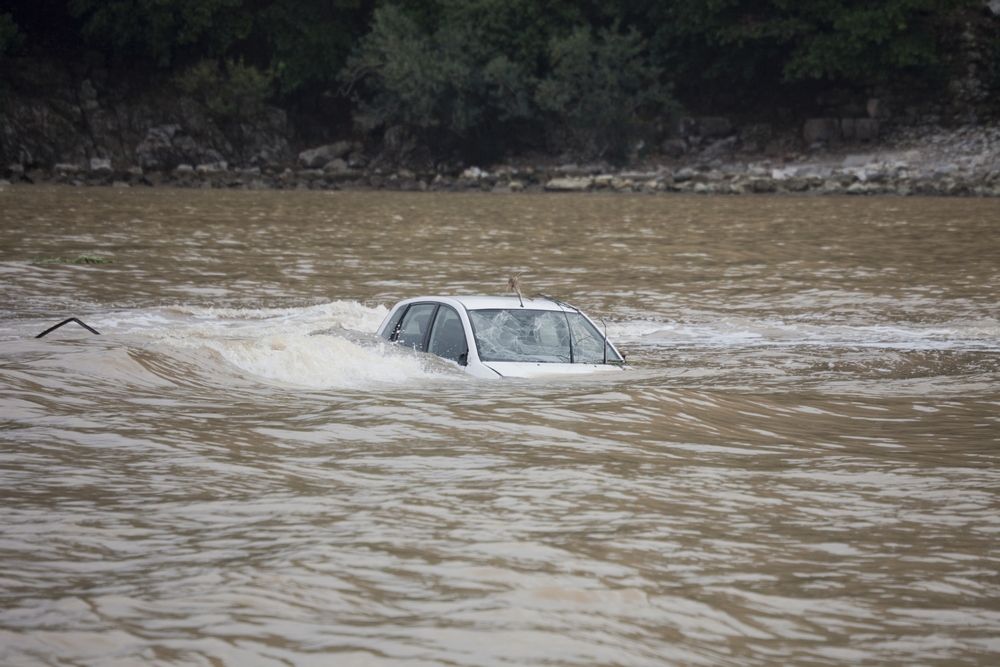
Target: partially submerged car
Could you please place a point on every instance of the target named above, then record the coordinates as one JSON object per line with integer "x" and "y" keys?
{"x": 502, "y": 336}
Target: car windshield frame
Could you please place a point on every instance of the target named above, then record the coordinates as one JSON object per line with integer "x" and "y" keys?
{"x": 524, "y": 335}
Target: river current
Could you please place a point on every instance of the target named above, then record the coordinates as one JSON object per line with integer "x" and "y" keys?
{"x": 801, "y": 467}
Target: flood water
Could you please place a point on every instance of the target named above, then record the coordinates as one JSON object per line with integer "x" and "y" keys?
{"x": 802, "y": 466}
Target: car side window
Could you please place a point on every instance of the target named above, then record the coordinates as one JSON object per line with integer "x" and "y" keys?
{"x": 413, "y": 330}
{"x": 390, "y": 330}
{"x": 448, "y": 336}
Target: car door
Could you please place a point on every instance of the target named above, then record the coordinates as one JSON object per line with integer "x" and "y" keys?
{"x": 415, "y": 325}
{"x": 448, "y": 336}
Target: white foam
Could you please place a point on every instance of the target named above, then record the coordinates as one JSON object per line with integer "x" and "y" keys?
{"x": 330, "y": 345}
{"x": 323, "y": 361}
{"x": 349, "y": 315}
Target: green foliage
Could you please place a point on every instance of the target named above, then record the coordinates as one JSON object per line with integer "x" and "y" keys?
{"x": 787, "y": 40}
{"x": 445, "y": 82}
{"x": 458, "y": 70}
{"x": 161, "y": 29}
{"x": 598, "y": 86}
{"x": 308, "y": 41}
{"x": 235, "y": 92}
{"x": 10, "y": 35}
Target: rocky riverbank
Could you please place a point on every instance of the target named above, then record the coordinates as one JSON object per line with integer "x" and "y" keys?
{"x": 926, "y": 160}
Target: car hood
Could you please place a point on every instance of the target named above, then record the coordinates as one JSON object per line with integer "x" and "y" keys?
{"x": 519, "y": 369}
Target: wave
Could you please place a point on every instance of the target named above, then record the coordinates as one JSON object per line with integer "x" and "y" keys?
{"x": 324, "y": 346}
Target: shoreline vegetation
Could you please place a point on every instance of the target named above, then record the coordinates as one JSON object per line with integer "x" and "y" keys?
{"x": 842, "y": 97}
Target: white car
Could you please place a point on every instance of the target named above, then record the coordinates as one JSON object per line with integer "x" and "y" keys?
{"x": 502, "y": 336}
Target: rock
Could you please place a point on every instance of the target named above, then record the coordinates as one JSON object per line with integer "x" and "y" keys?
{"x": 847, "y": 128}
{"x": 603, "y": 180}
{"x": 100, "y": 165}
{"x": 318, "y": 157}
{"x": 866, "y": 129}
{"x": 683, "y": 174}
{"x": 714, "y": 126}
{"x": 831, "y": 186}
{"x": 155, "y": 151}
{"x": 687, "y": 127}
{"x": 166, "y": 146}
{"x": 357, "y": 160}
{"x": 569, "y": 184}
{"x": 622, "y": 185}
{"x": 516, "y": 186}
{"x": 120, "y": 184}
{"x": 65, "y": 168}
{"x": 184, "y": 170}
{"x": 674, "y": 147}
{"x": 212, "y": 167}
{"x": 762, "y": 185}
{"x": 336, "y": 166}
{"x": 876, "y": 108}
{"x": 857, "y": 160}
{"x": 473, "y": 173}
{"x": 821, "y": 130}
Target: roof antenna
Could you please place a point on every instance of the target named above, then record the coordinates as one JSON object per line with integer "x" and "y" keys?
{"x": 514, "y": 285}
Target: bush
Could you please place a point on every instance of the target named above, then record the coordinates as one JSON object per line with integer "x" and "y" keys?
{"x": 161, "y": 29}
{"x": 599, "y": 87}
{"x": 10, "y": 36}
{"x": 237, "y": 92}
{"x": 442, "y": 83}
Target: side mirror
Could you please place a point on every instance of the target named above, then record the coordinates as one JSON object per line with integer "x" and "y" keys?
{"x": 463, "y": 359}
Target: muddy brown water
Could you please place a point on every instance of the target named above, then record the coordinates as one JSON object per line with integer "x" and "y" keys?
{"x": 802, "y": 466}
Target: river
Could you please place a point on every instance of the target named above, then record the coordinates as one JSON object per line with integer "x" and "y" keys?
{"x": 802, "y": 466}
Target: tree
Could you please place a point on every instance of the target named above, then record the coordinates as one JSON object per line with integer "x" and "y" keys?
{"x": 160, "y": 30}
{"x": 599, "y": 85}
{"x": 763, "y": 45}
{"x": 442, "y": 79}
{"x": 10, "y": 35}
{"x": 306, "y": 42}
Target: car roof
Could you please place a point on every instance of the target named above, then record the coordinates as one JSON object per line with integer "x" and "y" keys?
{"x": 493, "y": 302}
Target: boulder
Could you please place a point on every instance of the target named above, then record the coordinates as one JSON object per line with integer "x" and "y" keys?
{"x": 473, "y": 174}
{"x": 857, "y": 160}
{"x": 714, "y": 126}
{"x": 569, "y": 184}
{"x": 683, "y": 174}
{"x": 762, "y": 185}
{"x": 866, "y": 129}
{"x": 877, "y": 108}
{"x": 100, "y": 165}
{"x": 212, "y": 167}
{"x": 336, "y": 166}
{"x": 674, "y": 147}
{"x": 166, "y": 146}
{"x": 821, "y": 130}
{"x": 317, "y": 158}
